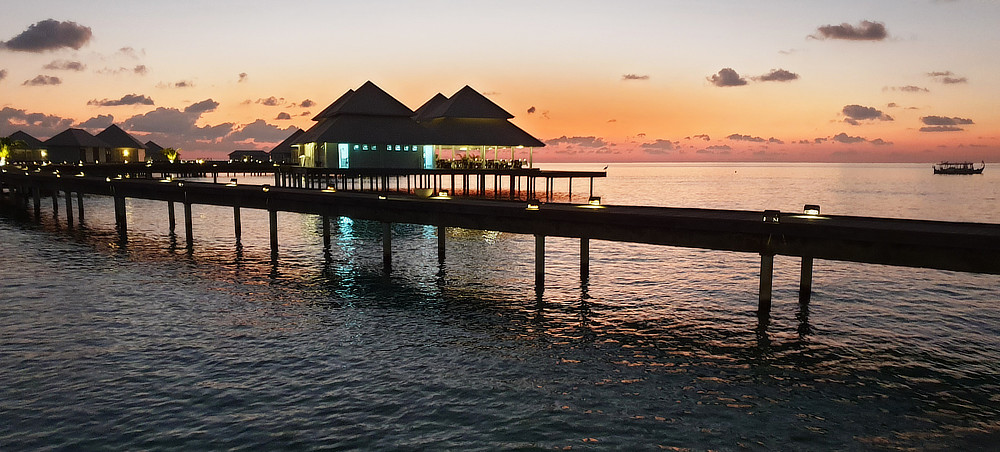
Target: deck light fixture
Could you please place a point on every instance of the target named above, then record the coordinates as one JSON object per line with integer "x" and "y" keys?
{"x": 811, "y": 209}
{"x": 533, "y": 204}
{"x": 167, "y": 179}
{"x": 232, "y": 182}
{"x": 381, "y": 197}
{"x": 107, "y": 179}
{"x": 265, "y": 188}
{"x": 443, "y": 194}
{"x": 594, "y": 200}
{"x": 180, "y": 184}
{"x": 330, "y": 189}
{"x": 772, "y": 216}
{"x": 80, "y": 174}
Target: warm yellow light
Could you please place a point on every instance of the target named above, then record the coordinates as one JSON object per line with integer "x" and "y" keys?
{"x": 232, "y": 182}
{"x": 594, "y": 201}
{"x": 125, "y": 153}
{"x": 533, "y": 205}
{"x": 811, "y": 209}
{"x": 329, "y": 189}
{"x": 80, "y": 174}
{"x": 167, "y": 179}
{"x": 772, "y": 216}
{"x": 265, "y": 188}
{"x": 381, "y": 197}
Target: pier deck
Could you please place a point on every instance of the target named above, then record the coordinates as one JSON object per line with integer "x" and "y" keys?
{"x": 967, "y": 247}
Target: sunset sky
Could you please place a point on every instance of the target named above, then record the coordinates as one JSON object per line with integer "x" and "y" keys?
{"x": 598, "y": 81}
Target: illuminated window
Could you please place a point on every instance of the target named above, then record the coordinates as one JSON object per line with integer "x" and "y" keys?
{"x": 399, "y": 148}
{"x": 357, "y": 146}
{"x": 364, "y": 148}
{"x": 406, "y": 148}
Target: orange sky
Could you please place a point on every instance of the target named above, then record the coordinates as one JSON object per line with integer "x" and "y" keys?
{"x": 598, "y": 81}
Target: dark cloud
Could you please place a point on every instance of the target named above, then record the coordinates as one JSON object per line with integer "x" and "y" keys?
{"x": 658, "y": 147}
{"x": 635, "y": 77}
{"x": 738, "y": 137}
{"x": 819, "y": 140}
{"x": 271, "y": 101}
{"x": 261, "y": 132}
{"x": 128, "y": 99}
{"x": 183, "y": 84}
{"x": 97, "y": 122}
{"x": 204, "y": 106}
{"x": 880, "y": 142}
{"x": 944, "y": 121}
{"x": 35, "y": 124}
{"x": 727, "y": 77}
{"x": 844, "y": 138}
{"x": 856, "y": 113}
{"x": 243, "y": 77}
{"x": 179, "y": 125}
{"x": 941, "y": 129}
{"x": 130, "y": 52}
{"x": 717, "y": 149}
{"x": 612, "y": 120}
{"x": 140, "y": 69}
{"x": 947, "y": 77}
{"x": 865, "y": 31}
{"x": 774, "y": 140}
{"x": 3, "y": 74}
{"x": 778, "y": 75}
{"x": 307, "y": 104}
{"x": 892, "y": 105}
{"x": 42, "y": 80}
{"x": 703, "y": 137}
{"x": 49, "y": 34}
{"x": 65, "y": 65}
{"x": 587, "y": 142}
{"x": 282, "y": 116}
{"x": 305, "y": 113}
{"x": 531, "y": 110}
{"x": 908, "y": 89}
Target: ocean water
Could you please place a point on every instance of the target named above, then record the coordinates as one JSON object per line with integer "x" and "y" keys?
{"x": 147, "y": 345}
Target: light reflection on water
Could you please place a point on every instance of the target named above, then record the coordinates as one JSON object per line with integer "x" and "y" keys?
{"x": 150, "y": 345}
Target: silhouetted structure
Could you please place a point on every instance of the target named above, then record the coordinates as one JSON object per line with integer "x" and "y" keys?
{"x": 248, "y": 156}
{"x": 32, "y": 151}
{"x": 282, "y": 153}
{"x": 154, "y": 152}
{"x": 75, "y": 146}
{"x": 122, "y": 147}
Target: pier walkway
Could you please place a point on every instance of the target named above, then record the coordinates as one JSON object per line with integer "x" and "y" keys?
{"x": 966, "y": 247}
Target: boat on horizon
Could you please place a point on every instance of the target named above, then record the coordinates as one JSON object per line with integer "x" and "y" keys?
{"x": 959, "y": 168}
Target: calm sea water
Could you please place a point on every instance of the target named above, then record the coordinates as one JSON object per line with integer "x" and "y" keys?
{"x": 147, "y": 345}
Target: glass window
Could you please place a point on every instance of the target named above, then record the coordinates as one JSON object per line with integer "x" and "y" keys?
{"x": 364, "y": 148}
{"x": 356, "y": 147}
{"x": 399, "y": 148}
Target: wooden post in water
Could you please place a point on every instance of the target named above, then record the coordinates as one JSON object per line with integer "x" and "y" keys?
{"x": 55, "y": 203}
{"x": 766, "y": 277}
{"x": 805, "y": 280}
{"x": 236, "y": 223}
{"x": 326, "y": 232}
{"x": 79, "y": 205}
{"x": 120, "y": 218}
{"x": 272, "y": 215}
{"x": 387, "y": 247}
{"x": 69, "y": 208}
{"x": 188, "y": 226}
{"x": 539, "y": 263}
{"x": 171, "y": 217}
{"x": 584, "y": 258}
{"x": 441, "y": 233}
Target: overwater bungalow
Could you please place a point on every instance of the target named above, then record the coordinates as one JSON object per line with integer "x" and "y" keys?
{"x": 282, "y": 153}
{"x": 76, "y": 146}
{"x": 249, "y": 156}
{"x": 122, "y": 147}
{"x": 33, "y": 149}
{"x": 368, "y": 128}
{"x": 154, "y": 152}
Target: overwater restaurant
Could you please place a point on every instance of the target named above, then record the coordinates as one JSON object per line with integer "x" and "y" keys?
{"x": 368, "y": 128}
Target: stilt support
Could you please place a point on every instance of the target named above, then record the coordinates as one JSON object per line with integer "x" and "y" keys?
{"x": 584, "y": 259}
{"x": 539, "y": 263}
{"x": 442, "y": 234}
{"x": 79, "y": 206}
{"x": 171, "y": 217}
{"x": 326, "y": 232}
{"x": 237, "y": 225}
{"x": 766, "y": 276}
{"x": 188, "y": 225}
{"x": 273, "y": 221}
{"x": 36, "y": 193}
{"x": 69, "y": 208}
{"x": 805, "y": 280}
{"x": 120, "y": 218}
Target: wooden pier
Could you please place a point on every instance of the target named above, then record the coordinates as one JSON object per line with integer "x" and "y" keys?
{"x": 967, "y": 247}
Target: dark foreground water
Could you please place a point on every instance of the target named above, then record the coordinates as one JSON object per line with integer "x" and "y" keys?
{"x": 147, "y": 345}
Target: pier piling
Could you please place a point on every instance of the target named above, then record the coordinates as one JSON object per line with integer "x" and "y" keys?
{"x": 272, "y": 216}
{"x": 36, "y": 193}
{"x": 120, "y": 218}
{"x": 236, "y": 223}
{"x": 326, "y": 232}
{"x": 441, "y": 234}
{"x": 79, "y": 206}
{"x": 805, "y": 280}
{"x": 69, "y": 208}
{"x": 584, "y": 258}
{"x": 188, "y": 226}
{"x": 539, "y": 263}
{"x": 766, "y": 277}
{"x": 171, "y": 217}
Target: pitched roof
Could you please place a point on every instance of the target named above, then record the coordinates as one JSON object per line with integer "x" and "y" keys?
{"x": 75, "y": 138}
{"x": 248, "y": 153}
{"x": 367, "y": 129}
{"x": 479, "y": 132}
{"x": 118, "y": 138}
{"x": 427, "y": 109}
{"x": 30, "y": 141}
{"x": 286, "y": 146}
{"x": 468, "y": 103}
{"x": 332, "y": 108}
{"x": 152, "y": 147}
{"x": 367, "y": 100}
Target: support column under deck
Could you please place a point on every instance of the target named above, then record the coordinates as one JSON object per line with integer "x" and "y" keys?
{"x": 805, "y": 280}
{"x": 584, "y": 259}
{"x": 766, "y": 278}
{"x": 539, "y": 263}
{"x": 441, "y": 233}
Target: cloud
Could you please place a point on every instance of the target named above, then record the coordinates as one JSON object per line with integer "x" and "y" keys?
{"x": 865, "y": 31}
{"x": 243, "y": 77}
{"x": 717, "y": 149}
{"x": 738, "y": 137}
{"x": 856, "y": 113}
{"x": 941, "y": 129}
{"x": 49, "y": 34}
{"x": 271, "y": 101}
{"x": 128, "y": 99}
{"x": 178, "y": 125}
{"x": 819, "y": 140}
{"x": 587, "y": 142}
{"x": 909, "y": 89}
{"x": 844, "y": 138}
{"x": 35, "y": 124}
{"x": 658, "y": 147}
{"x": 140, "y": 69}
{"x": 944, "y": 121}
{"x": 204, "y": 106}
{"x": 880, "y": 142}
{"x": 947, "y": 77}
{"x": 307, "y": 104}
{"x": 635, "y": 77}
{"x": 531, "y": 109}
{"x": 727, "y": 77}
{"x": 703, "y": 137}
{"x": 778, "y": 75}
{"x": 130, "y": 52}
{"x": 305, "y": 113}
{"x": 97, "y": 122}
{"x": 3, "y": 74}
{"x": 774, "y": 140}
{"x": 42, "y": 80}
{"x": 65, "y": 65}
{"x": 183, "y": 84}
{"x": 261, "y": 132}
{"x": 283, "y": 115}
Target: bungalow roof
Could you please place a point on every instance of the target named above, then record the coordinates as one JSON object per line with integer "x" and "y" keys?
{"x": 367, "y": 130}
{"x": 75, "y": 138}
{"x": 467, "y": 103}
{"x": 427, "y": 109}
{"x": 286, "y": 145}
{"x": 369, "y": 100}
{"x": 118, "y": 138}
{"x": 333, "y": 107}
{"x": 479, "y": 132}
{"x": 152, "y": 147}
{"x": 30, "y": 141}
